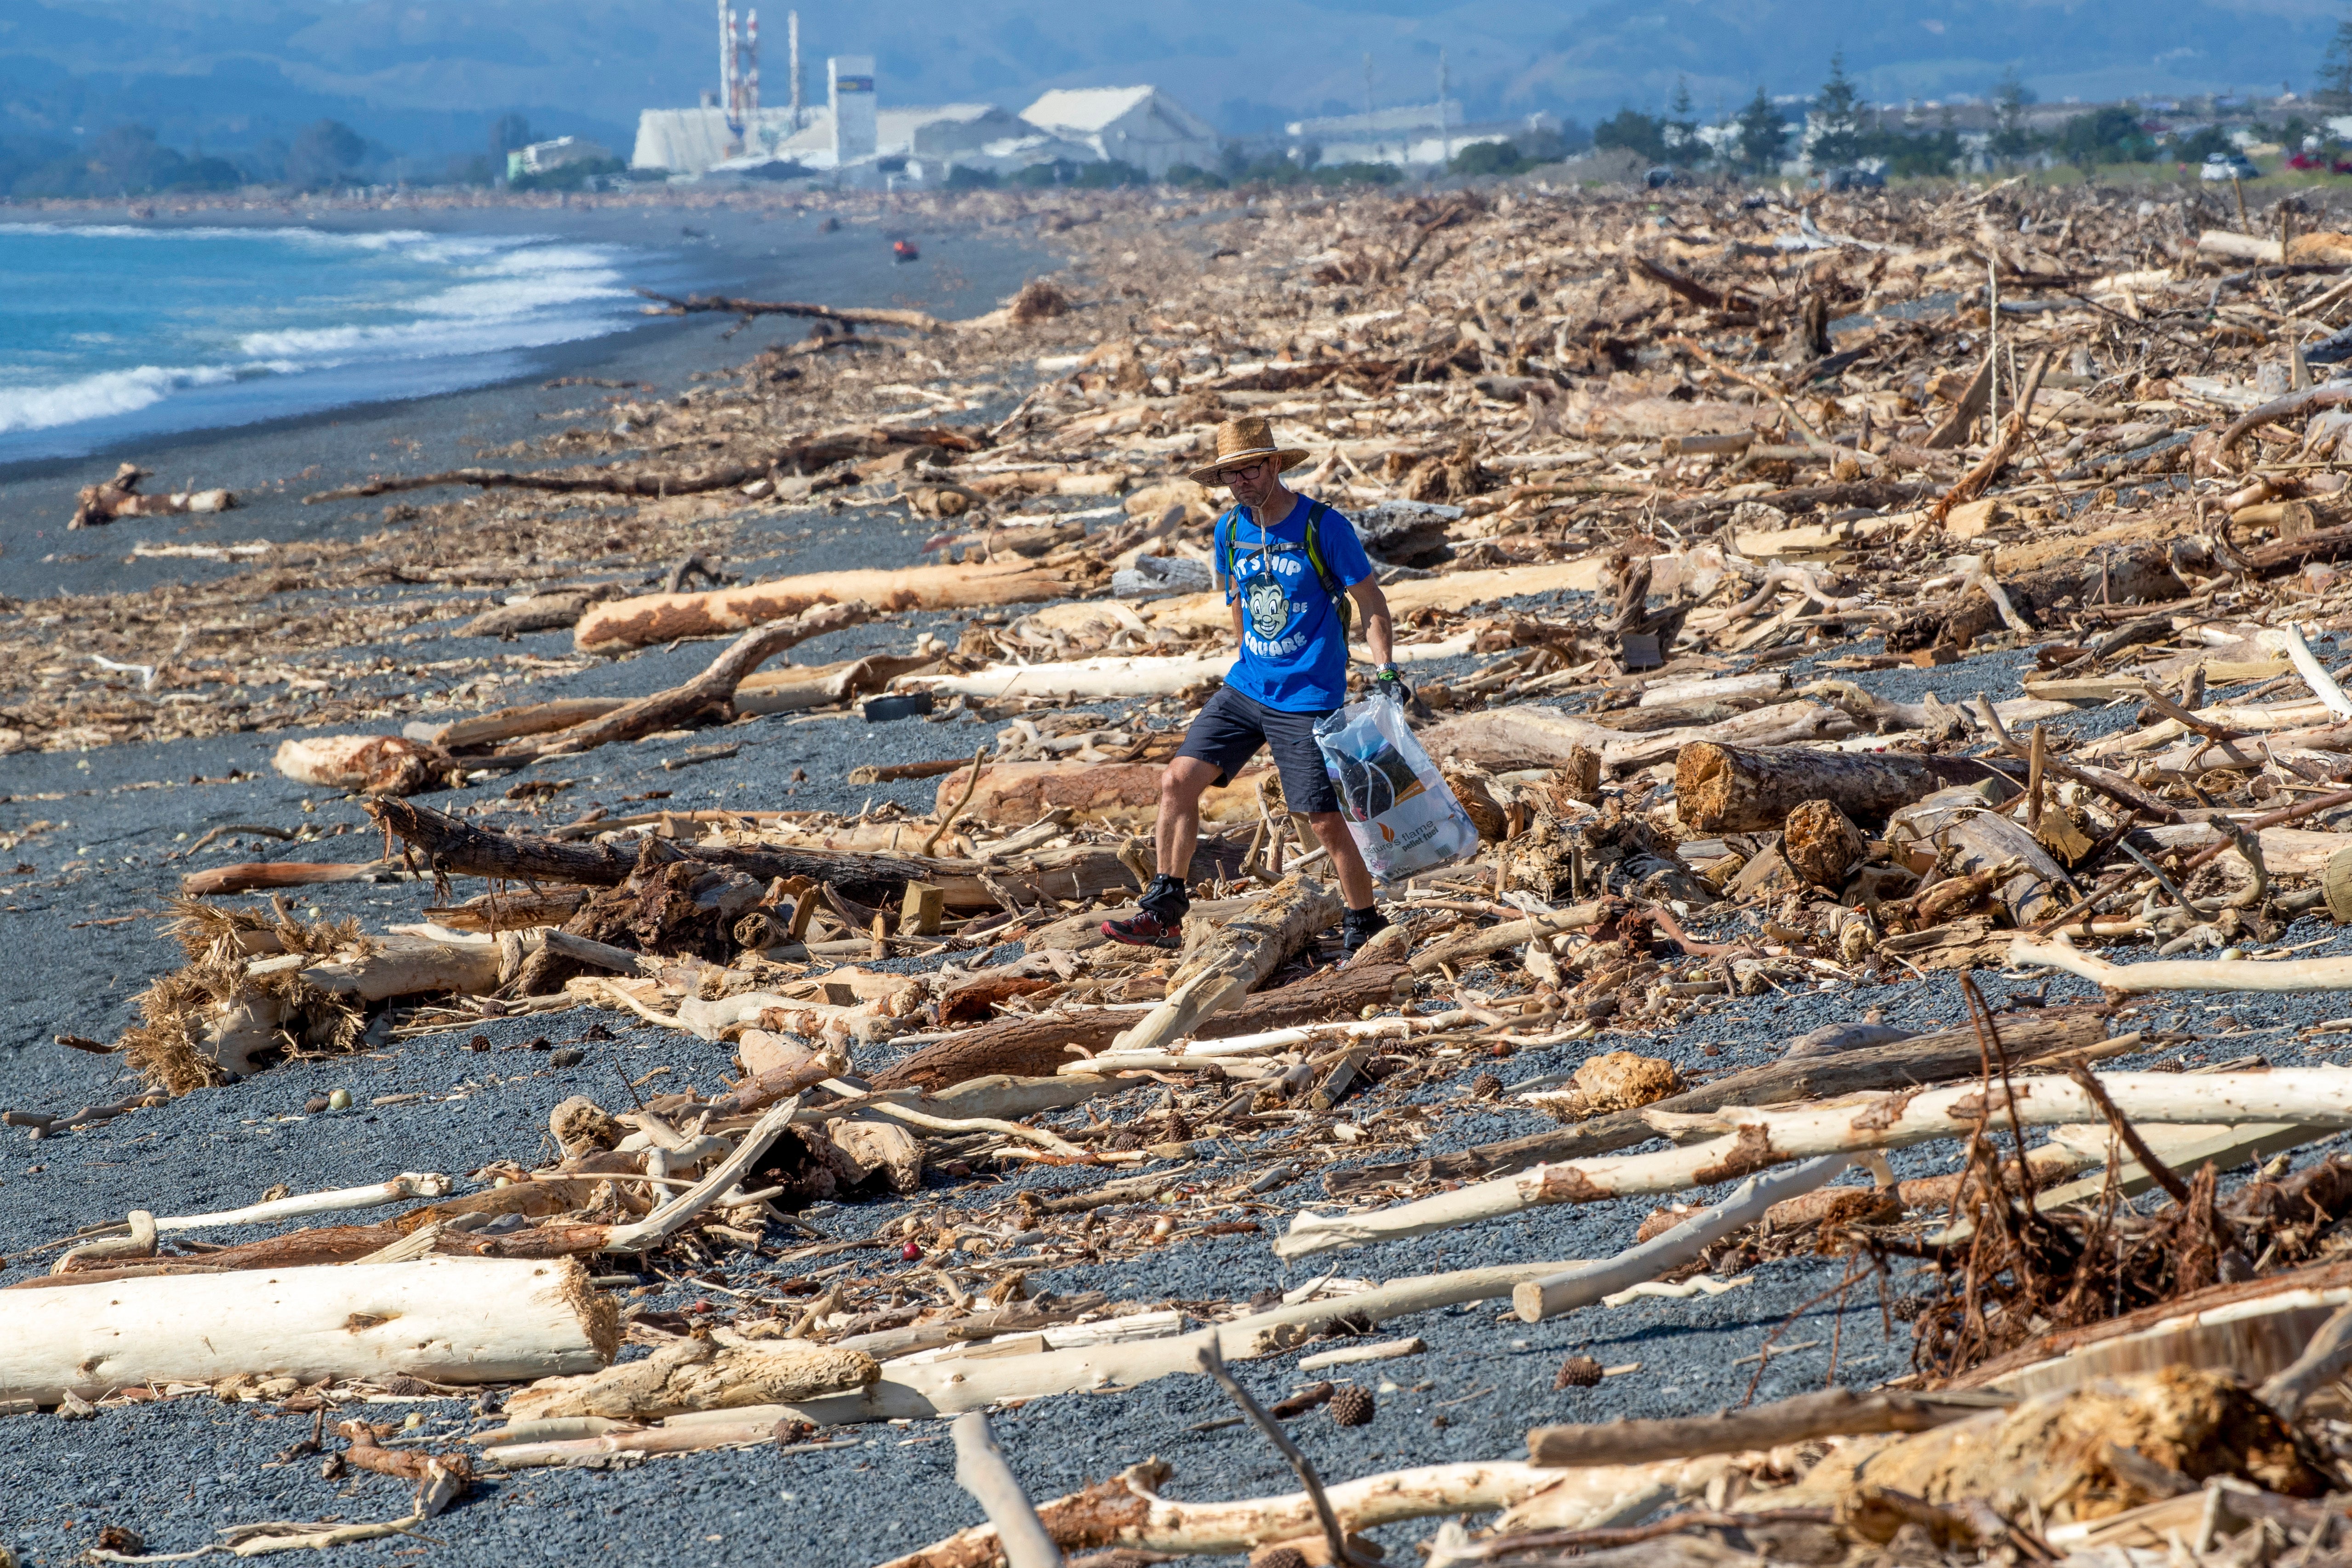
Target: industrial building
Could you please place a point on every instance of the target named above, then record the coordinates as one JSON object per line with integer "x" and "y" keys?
{"x": 854, "y": 138}
{"x": 1137, "y": 125}
{"x": 1407, "y": 136}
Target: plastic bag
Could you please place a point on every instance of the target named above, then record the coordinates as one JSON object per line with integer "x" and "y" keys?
{"x": 1404, "y": 818}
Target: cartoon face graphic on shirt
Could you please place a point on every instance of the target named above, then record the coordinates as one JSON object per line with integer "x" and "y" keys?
{"x": 1267, "y": 604}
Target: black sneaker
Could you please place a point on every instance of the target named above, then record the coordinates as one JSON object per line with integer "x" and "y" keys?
{"x": 1359, "y": 927}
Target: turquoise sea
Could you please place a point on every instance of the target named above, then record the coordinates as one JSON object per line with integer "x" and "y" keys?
{"x": 109, "y": 332}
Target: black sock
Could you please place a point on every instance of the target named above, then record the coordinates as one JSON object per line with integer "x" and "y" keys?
{"x": 1166, "y": 898}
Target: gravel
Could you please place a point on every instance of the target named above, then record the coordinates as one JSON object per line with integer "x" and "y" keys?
{"x": 80, "y": 914}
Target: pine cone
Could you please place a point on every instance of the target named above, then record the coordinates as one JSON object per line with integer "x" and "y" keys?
{"x": 1280, "y": 1557}
{"x": 1351, "y": 1405}
{"x": 1577, "y": 1371}
{"x": 1485, "y": 1086}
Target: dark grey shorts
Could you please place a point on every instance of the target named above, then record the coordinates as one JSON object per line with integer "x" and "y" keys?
{"x": 1233, "y": 726}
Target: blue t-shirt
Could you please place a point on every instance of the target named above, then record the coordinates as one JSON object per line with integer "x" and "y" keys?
{"x": 1294, "y": 653}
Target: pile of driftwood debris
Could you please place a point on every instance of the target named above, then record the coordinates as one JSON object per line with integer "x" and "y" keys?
{"x": 1720, "y": 437}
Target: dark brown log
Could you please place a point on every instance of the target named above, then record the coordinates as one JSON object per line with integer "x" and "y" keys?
{"x": 1040, "y": 1046}
{"x": 1821, "y": 843}
{"x": 1830, "y": 1413}
{"x": 2323, "y": 544}
{"x": 451, "y": 846}
{"x": 709, "y": 696}
{"x": 1925, "y": 1059}
{"x": 720, "y": 305}
{"x": 1734, "y": 790}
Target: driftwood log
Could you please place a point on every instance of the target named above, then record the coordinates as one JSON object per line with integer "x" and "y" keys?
{"x": 1041, "y": 1045}
{"x": 717, "y": 304}
{"x": 1726, "y": 788}
{"x": 696, "y": 1375}
{"x": 444, "y": 1320}
{"x": 1756, "y": 1139}
{"x": 1947, "y": 1054}
{"x": 797, "y": 458}
{"x": 1832, "y": 1412}
{"x": 650, "y": 618}
{"x": 121, "y": 497}
{"x": 1967, "y": 838}
{"x": 710, "y": 696}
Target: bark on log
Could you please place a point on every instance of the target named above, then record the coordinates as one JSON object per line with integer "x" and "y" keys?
{"x": 651, "y": 618}
{"x": 1237, "y": 959}
{"x": 1757, "y": 1139}
{"x": 374, "y": 764}
{"x": 1947, "y": 1053}
{"x": 1116, "y": 794}
{"x": 1731, "y": 789}
{"x": 696, "y": 1375}
{"x": 1821, "y": 843}
{"x": 1968, "y": 838}
{"x": 1832, "y": 1412}
{"x": 444, "y": 1320}
{"x": 1041, "y": 1047}
{"x": 512, "y": 723}
{"x": 707, "y": 697}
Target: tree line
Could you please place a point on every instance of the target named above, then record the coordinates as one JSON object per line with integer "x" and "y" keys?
{"x": 1847, "y": 132}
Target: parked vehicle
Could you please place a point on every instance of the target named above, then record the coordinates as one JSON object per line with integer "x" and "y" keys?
{"x": 1852, "y": 180}
{"x": 2221, "y": 166}
{"x": 1664, "y": 175}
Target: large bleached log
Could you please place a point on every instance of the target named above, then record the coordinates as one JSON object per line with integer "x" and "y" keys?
{"x": 2312, "y": 1096}
{"x": 121, "y": 497}
{"x": 1925, "y": 1059}
{"x": 445, "y": 1320}
{"x": 1129, "y": 1512}
{"x": 1735, "y": 789}
{"x": 1512, "y": 933}
{"x": 2186, "y": 974}
{"x": 660, "y": 617}
{"x": 1533, "y": 737}
{"x": 1237, "y": 958}
{"x": 508, "y": 723}
{"x": 709, "y": 695}
{"x": 1831, "y": 1412}
{"x": 696, "y": 1375}
{"x": 1582, "y": 1286}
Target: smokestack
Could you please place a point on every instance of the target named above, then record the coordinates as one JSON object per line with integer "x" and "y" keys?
{"x": 793, "y": 47}
{"x": 751, "y": 68}
{"x": 725, "y": 61}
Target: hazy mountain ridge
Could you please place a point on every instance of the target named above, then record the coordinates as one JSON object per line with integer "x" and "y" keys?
{"x": 427, "y": 75}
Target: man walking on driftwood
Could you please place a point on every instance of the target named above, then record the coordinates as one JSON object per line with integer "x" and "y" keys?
{"x": 1289, "y": 568}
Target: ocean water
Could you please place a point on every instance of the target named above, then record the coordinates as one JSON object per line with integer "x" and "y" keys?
{"x": 111, "y": 332}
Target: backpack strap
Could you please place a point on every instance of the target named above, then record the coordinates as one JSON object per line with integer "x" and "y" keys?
{"x": 1315, "y": 510}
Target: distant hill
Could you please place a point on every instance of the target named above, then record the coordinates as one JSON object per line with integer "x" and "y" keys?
{"x": 427, "y": 77}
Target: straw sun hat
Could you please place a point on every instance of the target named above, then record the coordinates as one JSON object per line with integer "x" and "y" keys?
{"x": 1243, "y": 440}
